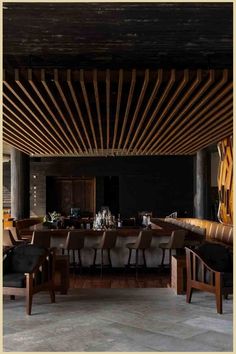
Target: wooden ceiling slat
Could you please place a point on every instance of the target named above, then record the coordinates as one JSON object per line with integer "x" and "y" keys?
{"x": 204, "y": 100}
{"x": 21, "y": 139}
{"x": 77, "y": 106}
{"x": 148, "y": 106}
{"x": 96, "y": 92}
{"x": 171, "y": 102}
{"x": 30, "y": 111}
{"x": 212, "y": 103}
{"x": 108, "y": 85}
{"x": 168, "y": 87}
{"x": 83, "y": 87}
{"x": 49, "y": 93}
{"x": 119, "y": 93}
{"x": 29, "y": 96}
{"x": 147, "y": 142}
{"x": 15, "y": 143}
{"x": 20, "y": 127}
{"x": 129, "y": 100}
{"x": 173, "y": 111}
{"x": 213, "y": 137}
{"x": 60, "y": 90}
{"x": 37, "y": 129}
{"x": 189, "y": 105}
{"x": 210, "y": 120}
{"x": 140, "y": 100}
{"x": 34, "y": 87}
{"x": 190, "y": 140}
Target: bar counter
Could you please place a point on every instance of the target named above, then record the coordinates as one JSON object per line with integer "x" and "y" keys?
{"x": 119, "y": 255}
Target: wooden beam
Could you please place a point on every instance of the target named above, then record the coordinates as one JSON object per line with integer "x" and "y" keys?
{"x": 108, "y": 84}
{"x": 119, "y": 93}
{"x": 129, "y": 100}
{"x": 140, "y": 100}
{"x": 37, "y": 129}
{"x": 76, "y": 103}
{"x": 60, "y": 90}
{"x": 61, "y": 131}
{"x": 47, "y": 89}
{"x": 160, "y": 102}
{"x": 83, "y": 87}
{"x": 20, "y": 127}
{"x": 96, "y": 93}
{"x": 147, "y": 108}
{"x": 15, "y": 143}
{"x": 29, "y": 110}
{"x": 199, "y": 105}
{"x": 209, "y": 106}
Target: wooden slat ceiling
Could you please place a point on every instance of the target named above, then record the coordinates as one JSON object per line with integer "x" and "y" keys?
{"x": 116, "y": 112}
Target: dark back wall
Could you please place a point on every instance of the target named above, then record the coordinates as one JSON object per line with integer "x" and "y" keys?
{"x": 161, "y": 184}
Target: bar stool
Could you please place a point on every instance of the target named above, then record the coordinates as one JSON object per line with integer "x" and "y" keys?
{"x": 107, "y": 242}
{"x": 142, "y": 243}
{"x": 75, "y": 242}
{"x": 176, "y": 242}
{"x": 41, "y": 238}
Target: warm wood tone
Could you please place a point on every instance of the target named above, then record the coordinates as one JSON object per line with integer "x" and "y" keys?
{"x": 72, "y": 192}
{"x": 57, "y": 112}
{"x": 178, "y": 274}
{"x": 62, "y": 275}
{"x": 225, "y": 181}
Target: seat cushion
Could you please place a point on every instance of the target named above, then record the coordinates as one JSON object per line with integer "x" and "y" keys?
{"x": 14, "y": 280}
{"x": 216, "y": 256}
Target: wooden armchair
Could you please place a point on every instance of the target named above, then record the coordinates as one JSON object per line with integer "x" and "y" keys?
{"x": 209, "y": 268}
{"x": 28, "y": 269}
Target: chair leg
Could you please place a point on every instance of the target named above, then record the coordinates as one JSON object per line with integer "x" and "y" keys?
{"x": 163, "y": 256}
{"x": 101, "y": 262}
{"x": 109, "y": 257}
{"x": 144, "y": 259}
{"x": 79, "y": 259}
{"x": 130, "y": 251}
{"x": 218, "y": 293}
{"x": 189, "y": 292}
{"x": 52, "y": 294}
{"x": 74, "y": 264}
{"x": 29, "y": 293}
{"x": 136, "y": 263}
{"x": 95, "y": 256}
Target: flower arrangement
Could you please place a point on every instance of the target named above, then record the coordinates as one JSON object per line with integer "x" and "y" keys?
{"x": 54, "y": 216}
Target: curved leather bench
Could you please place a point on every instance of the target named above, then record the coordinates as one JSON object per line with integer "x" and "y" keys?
{"x": 215, "y": 231}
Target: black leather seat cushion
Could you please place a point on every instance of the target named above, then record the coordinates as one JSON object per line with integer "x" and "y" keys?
{"x": 218, "y": 257}
{"x": 14, "y": 280}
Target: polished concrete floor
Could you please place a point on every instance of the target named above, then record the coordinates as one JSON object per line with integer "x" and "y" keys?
{"x": 118, "y": 320}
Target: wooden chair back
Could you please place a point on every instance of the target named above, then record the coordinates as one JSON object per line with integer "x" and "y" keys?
{"x": 41, "y": 238}
{"x": 74, "y": 240}
{"x": 177, "y": 239}
{"x": 144, "y": 239}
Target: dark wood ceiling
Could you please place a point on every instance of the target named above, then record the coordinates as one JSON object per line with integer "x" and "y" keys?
{"x": 104, "y": 79}
{"x": 118, "y": 35}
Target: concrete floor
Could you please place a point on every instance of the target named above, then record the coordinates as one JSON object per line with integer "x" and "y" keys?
{"x": 118, "y": 320}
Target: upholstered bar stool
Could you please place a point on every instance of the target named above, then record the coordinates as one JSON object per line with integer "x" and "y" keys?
{"x": 108, "y": 242}
{"x": 41, "y": 238}
{"x": 177, "y": 241}
{"x": 143, "y": 242}
{"x": 75, "y": 242}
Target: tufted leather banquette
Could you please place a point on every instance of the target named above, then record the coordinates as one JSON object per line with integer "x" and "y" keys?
{"x": 215, "y": 231}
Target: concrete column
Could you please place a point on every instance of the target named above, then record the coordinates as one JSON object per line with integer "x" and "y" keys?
{"x": 20, "y": 194}
{"x": 201, "y": 185}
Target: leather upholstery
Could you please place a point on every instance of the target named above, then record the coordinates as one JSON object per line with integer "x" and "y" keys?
{"x": 215, "y": 231}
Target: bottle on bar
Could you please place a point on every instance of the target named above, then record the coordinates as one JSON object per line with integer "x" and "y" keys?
{"x": 119, "y": 221}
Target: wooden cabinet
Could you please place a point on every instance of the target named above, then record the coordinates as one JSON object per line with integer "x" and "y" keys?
{"x": 66, "y": 193}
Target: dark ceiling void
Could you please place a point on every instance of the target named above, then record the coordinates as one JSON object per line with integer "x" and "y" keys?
{"x": 118, "y": 35}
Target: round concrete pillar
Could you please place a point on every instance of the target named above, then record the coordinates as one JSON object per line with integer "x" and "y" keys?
{"x": 20, "y": 194}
